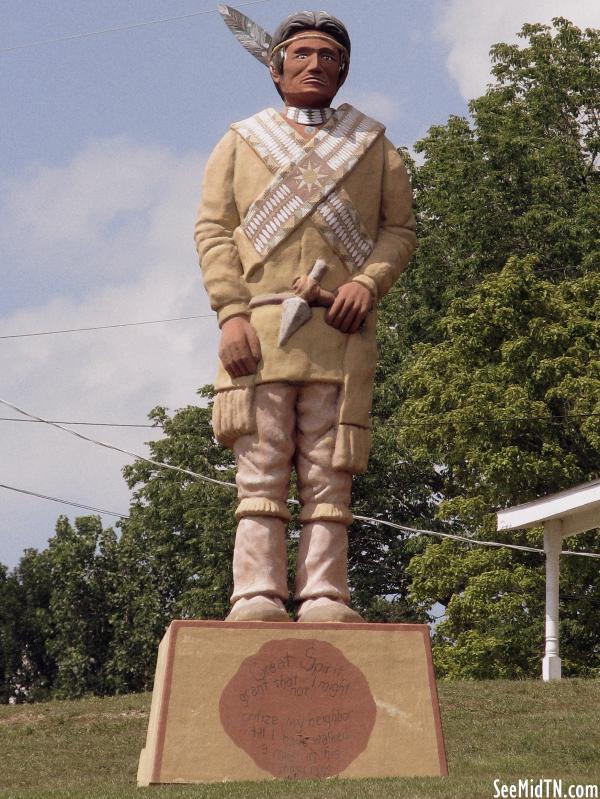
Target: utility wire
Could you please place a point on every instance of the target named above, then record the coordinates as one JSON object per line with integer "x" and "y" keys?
{"x": 110, "y": 327}
{"x": 118, "y": 449}
{"x": 73, "y": 36}
{"x": 418, "y": 420}
{"x": 368, "y": 519}
{"x": 466, "y": 540}
{"x": 64, "y": 501}
{"x": 84, "y": 424}
{"x": 447, "y": 535}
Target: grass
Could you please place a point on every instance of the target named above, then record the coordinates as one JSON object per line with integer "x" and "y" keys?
{"x": 505, "y": 730}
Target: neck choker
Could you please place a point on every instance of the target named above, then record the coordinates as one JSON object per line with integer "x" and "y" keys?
{"x": 309, "y": 116}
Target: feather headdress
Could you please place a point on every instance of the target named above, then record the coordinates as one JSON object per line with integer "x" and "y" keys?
{"x": 249, "y": 34}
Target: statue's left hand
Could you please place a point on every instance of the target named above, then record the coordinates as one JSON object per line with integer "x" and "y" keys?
{"x": 352, "y": 303}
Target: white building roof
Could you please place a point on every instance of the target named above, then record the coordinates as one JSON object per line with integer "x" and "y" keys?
{"x": 578, "y": 508}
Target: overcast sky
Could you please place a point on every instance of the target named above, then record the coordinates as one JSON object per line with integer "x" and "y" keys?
{"x": 103, "y": 144}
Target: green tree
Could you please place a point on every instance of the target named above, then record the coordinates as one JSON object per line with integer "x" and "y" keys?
{"x": 80, "y": 567}
{"x": 29, "y": 667}
{"x": 510, "y": 405}
{"x": 175, "y": 550}
{"x": 9, "y": 648}
{"x": 519, "y": 178}
{"x": 56, "y": 619}
{"x": 498, "y": 330}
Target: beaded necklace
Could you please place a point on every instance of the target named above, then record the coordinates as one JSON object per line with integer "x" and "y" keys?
{"x": 309, "y": 117}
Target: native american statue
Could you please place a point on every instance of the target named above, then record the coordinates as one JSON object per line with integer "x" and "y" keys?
{"x": 305, "y": 223}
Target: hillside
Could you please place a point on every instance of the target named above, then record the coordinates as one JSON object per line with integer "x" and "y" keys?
{"x": 88, "y": 749}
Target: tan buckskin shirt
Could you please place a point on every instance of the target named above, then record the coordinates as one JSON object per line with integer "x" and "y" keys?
{"x": 235, "y": 176}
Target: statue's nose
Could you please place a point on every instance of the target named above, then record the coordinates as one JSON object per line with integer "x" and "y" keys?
{"x": 314, "y": 65}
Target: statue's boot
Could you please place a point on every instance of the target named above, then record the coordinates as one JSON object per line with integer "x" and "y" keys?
{"x": 259, "y": 570}
{"x": 322, "y": 574}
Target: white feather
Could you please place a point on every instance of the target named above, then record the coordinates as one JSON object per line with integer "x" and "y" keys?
{"x": 249, "y": 34}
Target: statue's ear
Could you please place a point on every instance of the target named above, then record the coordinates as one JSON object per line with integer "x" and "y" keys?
{"x": 274, "y": 73}
{"x": 343, "y": 74}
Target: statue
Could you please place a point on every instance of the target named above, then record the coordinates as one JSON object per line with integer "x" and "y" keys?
{"x": 305, "y": 223}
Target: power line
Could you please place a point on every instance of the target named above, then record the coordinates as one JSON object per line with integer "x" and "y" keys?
{"x": 223, "y": 483}
{"x": 418, "y": 420}
{"x": 451, "y": 536}
{"x": 73, "y": 36}
{"x": 118, "y": 449}
{"x": 466, "y": 540}
{"x": 64, "y": 501}
{"x": 84, "y": 424}
{"x": 110, "y": 327}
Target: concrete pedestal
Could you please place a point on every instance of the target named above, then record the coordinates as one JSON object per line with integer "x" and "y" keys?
{"x": 260, "y": 700}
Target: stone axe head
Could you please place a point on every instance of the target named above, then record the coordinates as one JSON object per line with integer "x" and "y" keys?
{"x": 296, "y": 311}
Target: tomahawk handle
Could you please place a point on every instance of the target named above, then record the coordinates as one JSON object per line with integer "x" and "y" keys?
{"x": 325, "y": 298}
{"x": 318, "y": 270}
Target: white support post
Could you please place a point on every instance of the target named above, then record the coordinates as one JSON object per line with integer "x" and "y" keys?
{"x": 551, "y": 666}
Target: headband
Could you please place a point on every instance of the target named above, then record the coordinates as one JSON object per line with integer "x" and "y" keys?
{"x": 312, "y": 35}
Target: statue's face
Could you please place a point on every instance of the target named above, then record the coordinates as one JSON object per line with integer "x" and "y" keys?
{"x": 311, "y": 73}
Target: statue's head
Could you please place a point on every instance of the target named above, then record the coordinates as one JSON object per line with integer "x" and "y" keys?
{"x": 309, "y": 58}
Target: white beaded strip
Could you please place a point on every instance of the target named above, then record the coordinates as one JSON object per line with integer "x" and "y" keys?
{"x": 309, "y": 116}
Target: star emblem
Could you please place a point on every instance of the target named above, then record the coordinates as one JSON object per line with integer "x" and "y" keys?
{"x": 310, "y": 177}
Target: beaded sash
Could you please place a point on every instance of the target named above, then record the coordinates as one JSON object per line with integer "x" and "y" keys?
{"x": 306, "y": 181}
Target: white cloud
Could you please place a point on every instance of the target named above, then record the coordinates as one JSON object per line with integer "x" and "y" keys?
{"x": 375, "y": 104}
{"x": 106, "y": 179}
{"x": 117, "y": 222}
{"x": 113, "y": 212}
{"x": 471, "y": 27}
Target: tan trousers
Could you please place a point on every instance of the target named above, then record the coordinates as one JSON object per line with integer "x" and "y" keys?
{"x": 296, "y": 426}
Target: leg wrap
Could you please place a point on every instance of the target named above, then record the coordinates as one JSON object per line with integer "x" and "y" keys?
{"x": 264, "y": 461}
{"x": 322, "y": 566}
{"x": 260, "y": 559}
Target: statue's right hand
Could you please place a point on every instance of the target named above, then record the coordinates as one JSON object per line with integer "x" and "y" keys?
{"x": 239, "y": 348}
